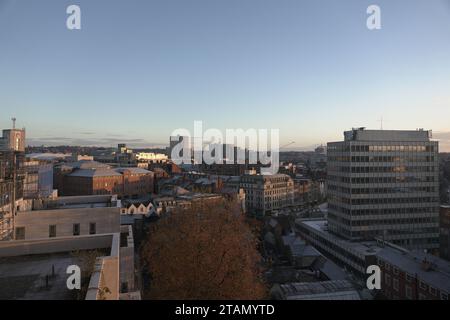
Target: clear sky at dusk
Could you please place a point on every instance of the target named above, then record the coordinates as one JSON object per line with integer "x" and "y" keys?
{"x": 138, "y": 69}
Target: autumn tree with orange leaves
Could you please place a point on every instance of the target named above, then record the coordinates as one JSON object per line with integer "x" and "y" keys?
{"x": 203, "y": 253}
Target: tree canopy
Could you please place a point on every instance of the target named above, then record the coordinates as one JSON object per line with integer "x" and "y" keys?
{"x": 203, "y": 253}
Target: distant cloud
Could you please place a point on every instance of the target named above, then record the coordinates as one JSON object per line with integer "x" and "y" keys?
{"x": 443, "y": 137}
{"x": 97, "y": 142}
{"x": 300, "y": 149}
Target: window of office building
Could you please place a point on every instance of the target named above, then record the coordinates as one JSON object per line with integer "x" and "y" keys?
{"x": 52, "y": 231}
{"x": 387, "y": 279}
{"x": 408, "y": 292}
{"x": 408, "y": 277}
{"x": 20, "y": 233}
{"x": 422, "y": 285}
{"x": 433, "y": 291}
{"x": 395, "y": 284}
{"x": 76, "y": 229}
{"x": 92, "y": 228}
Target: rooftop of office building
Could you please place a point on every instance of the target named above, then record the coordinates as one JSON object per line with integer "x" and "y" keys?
{"x": 76, "y": 202}
{"x": 265, "y": 177}
{"x": 92, "y": 169}
{"x": 321, "y": 226}
{"x": 37, "y": 269}
{"x": 362, "y": 134}
{"x": 428, "y": 268}
{"x": 40, "y": 277}
{"x": 325, "y": 290}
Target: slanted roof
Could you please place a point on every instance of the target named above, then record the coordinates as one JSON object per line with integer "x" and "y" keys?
{"x": 325, "y": 290}
{"x": 90, "y": 173}
{"x": 298, "y": 247}
{"x": 133, "y": 170}
{"x": 438, "y": 276}
{"x": 331, "y": 270}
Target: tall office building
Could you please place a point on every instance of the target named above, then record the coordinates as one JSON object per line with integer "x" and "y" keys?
{"x": 444, "y": 225}
{"x": 11, "y": 190}
{"x": 12, "y": 157}
{"x": 13, "y": 140}
{"x": 384, "y": 184}
{"x": 38, "y": 179}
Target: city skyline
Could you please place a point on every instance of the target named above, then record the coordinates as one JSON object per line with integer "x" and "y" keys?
{"x": 182, "y": 151}
{"x": 139, "y": 143}
{"x": 142, "y": 70}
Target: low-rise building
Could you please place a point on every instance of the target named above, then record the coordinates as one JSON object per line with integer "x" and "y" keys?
{"x": 93, "y": 178}
{"x": 38, "y": 180}
{"x": 355, "y": 257}
{"x": 325, "y": 290}
{"x": 38, "y": 269}
{"x": 142, "y": 207}
{"x": 164, "y": 204}
{"x": 264, "y": 194}
{"x": 79, "y": 157}
{"x": 298, "y": 252}
{"x": 124, "y": 156}
{"x": 151, "y": 157}
{"x": 413, "y": 275}
{"x": 68, "y": 216}
{"x": 58, "y": 234}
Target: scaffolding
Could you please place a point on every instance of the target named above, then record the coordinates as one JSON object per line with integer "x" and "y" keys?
{"x": 11, "y": 189}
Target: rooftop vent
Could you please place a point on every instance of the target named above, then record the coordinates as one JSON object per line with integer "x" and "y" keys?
{"x": 426, "y": 265}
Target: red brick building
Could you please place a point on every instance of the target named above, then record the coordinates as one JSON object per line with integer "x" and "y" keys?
{"x": 409, "y": 275}
{"x": 100, "y": 179}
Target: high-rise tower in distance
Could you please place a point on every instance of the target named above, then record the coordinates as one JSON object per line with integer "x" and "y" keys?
{"x": 13, "y": 139}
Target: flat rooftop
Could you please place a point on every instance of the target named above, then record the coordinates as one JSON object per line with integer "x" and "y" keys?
{"x": 90, "y": 173}
{"x": 326, "y": 290}
{"x": 102, "y": 171}
{"x": 74, "y": 202}
{"x": 321, "y": 227}
{"x": 25, "y": 277}
{"x": 196, "y": 195}
{"x": 48, "y": 156}
{"x": 437, "y": 276}
{"x": 361, "y": 134}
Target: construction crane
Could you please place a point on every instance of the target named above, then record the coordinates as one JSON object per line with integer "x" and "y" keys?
{"x": 287, "y": 145}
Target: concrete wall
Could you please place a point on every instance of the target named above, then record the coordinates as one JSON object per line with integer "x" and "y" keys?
{"x": 37, "y": 222}
{"x": 106, "y": 270}
{"x": 104, "y": 283}
{"x": 54, "y": 245}
{"x": 127, "y": 260}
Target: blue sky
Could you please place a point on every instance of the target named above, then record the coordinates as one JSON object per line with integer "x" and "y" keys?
{"x": 139, "y": 69}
